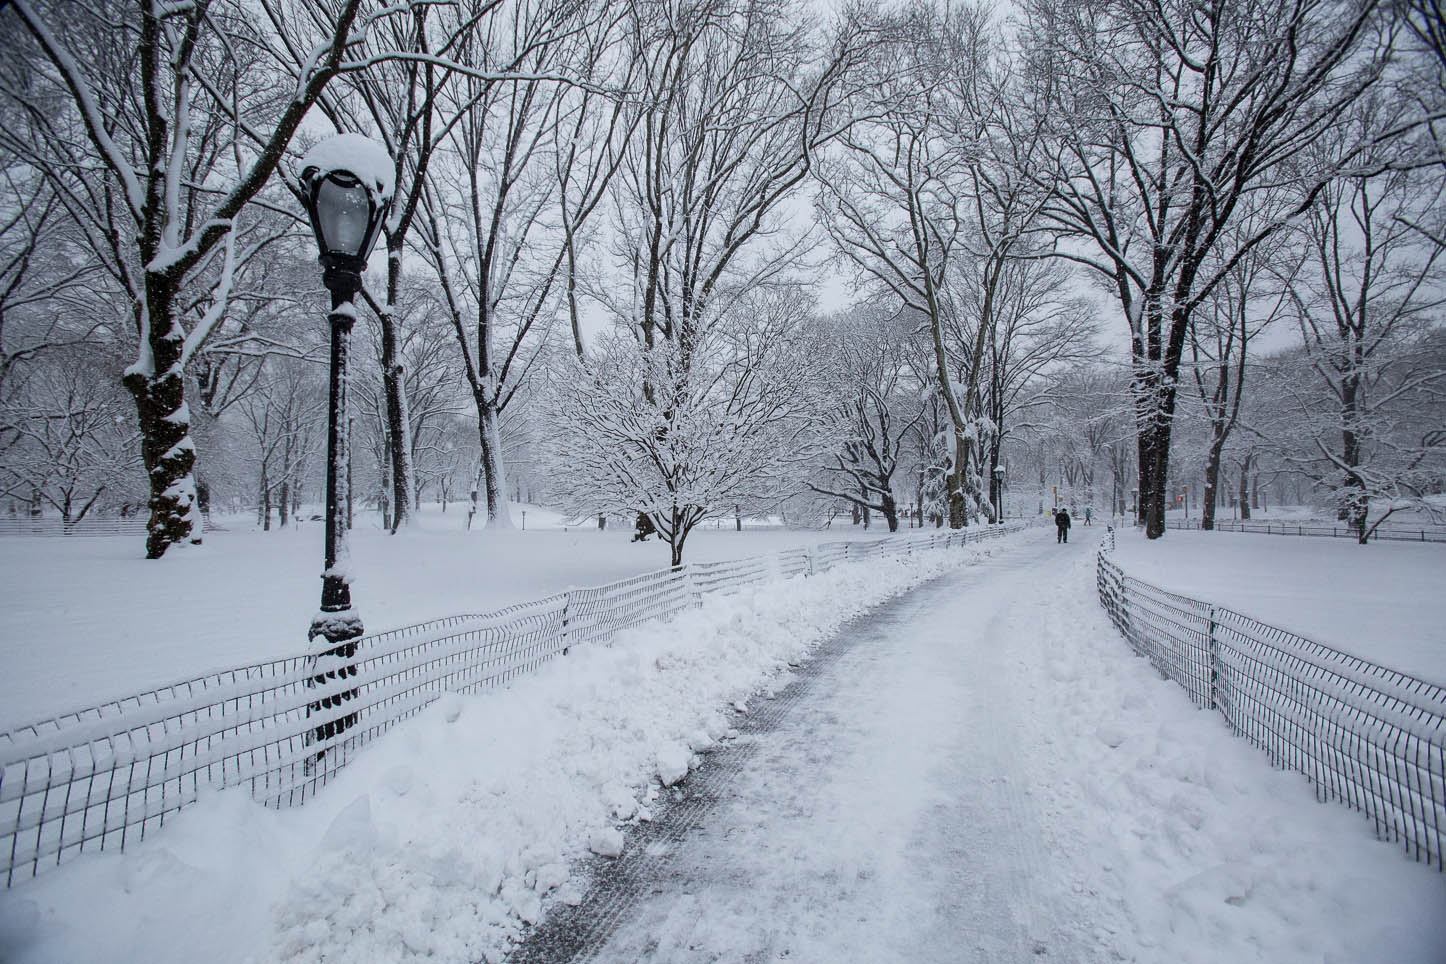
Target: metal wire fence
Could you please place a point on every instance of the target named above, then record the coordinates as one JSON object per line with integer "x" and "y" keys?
{"x": 1365, "y": 735}
{"x": 1384, "y": 532}
{"x": 106, "y": 776}
{"x": 85, "y": 527}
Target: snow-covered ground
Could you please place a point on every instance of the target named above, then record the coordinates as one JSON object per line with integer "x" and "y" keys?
{"x": 1000, "y": 695}
{"x": 1380, "y": 601}
{"x": 83, "y": 620}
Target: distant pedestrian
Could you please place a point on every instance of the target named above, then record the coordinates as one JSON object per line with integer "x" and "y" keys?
{"x": 1088, "y": 512}
{"x": 1061, "y": 523}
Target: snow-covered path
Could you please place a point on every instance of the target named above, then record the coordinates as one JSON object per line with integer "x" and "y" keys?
{"x": 891, "y": 812}
{"x": 960, "y": 776}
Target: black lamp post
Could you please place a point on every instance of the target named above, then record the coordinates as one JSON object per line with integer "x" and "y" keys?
{"x": 346, "y": 214}
{"x": 999, "y": 493}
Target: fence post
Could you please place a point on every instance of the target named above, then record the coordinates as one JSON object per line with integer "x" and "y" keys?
{"x": 693, "y": 586}
{"x": 1214, "y": 649}
{"x": 809, "y": 554}
{"x": 566, "y": 619}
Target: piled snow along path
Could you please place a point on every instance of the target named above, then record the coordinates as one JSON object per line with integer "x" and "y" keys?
{"x": 448, "y": 834}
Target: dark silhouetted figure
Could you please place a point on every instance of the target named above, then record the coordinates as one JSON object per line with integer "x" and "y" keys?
{"x": 1061, "y": 523}
{"x": 643, "y": 528}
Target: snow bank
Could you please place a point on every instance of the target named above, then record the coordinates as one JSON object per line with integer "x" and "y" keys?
{"x": 1191, "y": 847}
{"x": 452, "y": 831}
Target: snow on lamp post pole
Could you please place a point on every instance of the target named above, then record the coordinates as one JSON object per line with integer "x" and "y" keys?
{"x": 999, "y": 493}
{"x": 346, "y": 185}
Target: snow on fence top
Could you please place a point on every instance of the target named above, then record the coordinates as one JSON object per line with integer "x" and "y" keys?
{"x": 1366, "y": 735}
{"x": 106, "y": 775}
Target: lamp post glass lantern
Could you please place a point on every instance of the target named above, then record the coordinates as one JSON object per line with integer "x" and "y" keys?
{"x": 346, "y": 187}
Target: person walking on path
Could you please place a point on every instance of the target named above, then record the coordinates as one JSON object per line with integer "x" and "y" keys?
{"x": 1061, "y": 522}
{"x": 1088, "y": 512}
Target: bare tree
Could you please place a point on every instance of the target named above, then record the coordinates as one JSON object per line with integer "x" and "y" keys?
{"x": 1035, "y": 324}
{"x": 405, "y": 99}
{"x": 646, "y": 429}
{"x": 70, "y": 443}
{"x": 1365, "y": 300}
{"x": 878, "y": 404}
{"x": 1242, "y": 305}
{"x": 45, "y": 278}
{"x": 1165, "y": 117}
{"x": 170, "y": 124}
{"x": 896, "y": 197}
{"x": 733, "y": 101}
{"x": 284, "y": 420}
{"x": 487, "y": 232}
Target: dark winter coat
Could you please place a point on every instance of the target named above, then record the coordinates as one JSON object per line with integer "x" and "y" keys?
{"x": 1061, "y": 519}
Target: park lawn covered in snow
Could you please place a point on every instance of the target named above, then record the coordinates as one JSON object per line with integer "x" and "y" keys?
{"x": 443, "y": 836}
{"x": 84, "y": 620}
{"x": 1175, "y": 840}
{"x": 1381, "y": 601}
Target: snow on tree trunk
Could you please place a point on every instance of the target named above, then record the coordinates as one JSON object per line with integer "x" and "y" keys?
{"x": 399, "y": 448}
{"x": 167, "y": 451}
{"x": 488, "y": 428}
{"x": 399, "y": 451}
{"x": 1212, "y": 481}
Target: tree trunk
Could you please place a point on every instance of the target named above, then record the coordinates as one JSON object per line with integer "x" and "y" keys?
{"x": 1154, "y": 471}
{"x": 1212, "y": 482}
{"x": 283, "y": 505}
{"x": 1243, "y": 496}
{"x": 891, "y": 511}
{"x": 398, "y": 436}
{"x": 996, "y": 484}
{"x": 676, "y": 537}
{"x": 958, "y": 514}
{"x": 1354, "y": 503}
{"x": 491, "y": 439}
{"x": 167, "y": 452}
{"x": 384, "y": 487}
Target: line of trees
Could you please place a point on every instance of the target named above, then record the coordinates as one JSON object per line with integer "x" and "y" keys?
{"x": 613, "y": 218}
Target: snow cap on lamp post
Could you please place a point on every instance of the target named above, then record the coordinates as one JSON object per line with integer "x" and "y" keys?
{"x": 346, "y": 185}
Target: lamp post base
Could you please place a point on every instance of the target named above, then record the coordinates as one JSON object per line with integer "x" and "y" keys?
{"x": 333, "y": 656}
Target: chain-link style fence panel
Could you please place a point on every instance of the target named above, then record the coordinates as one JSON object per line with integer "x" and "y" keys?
{"x": 85, "y": 527}
{"x": 1385, "y": 532}
{"x": 1363, "y": 734}
{"x": 108, "y": 775}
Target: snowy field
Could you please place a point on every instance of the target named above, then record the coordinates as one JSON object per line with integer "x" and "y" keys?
{"x": 1152, "y": 834}
{"x": 83, "y": 620}
{"x": 1380, "y": 601}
